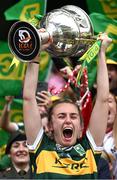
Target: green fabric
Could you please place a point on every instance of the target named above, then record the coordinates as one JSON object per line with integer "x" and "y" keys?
{"x": 109, "y": 26}
{"x": 107, "y": 7}
{"x": 96, "y": 18}
{"x": 5, "y": 162}
{"x": 10, "y": 78}
{"x": 90, "y": 61}
{"x": 26, "y": 9}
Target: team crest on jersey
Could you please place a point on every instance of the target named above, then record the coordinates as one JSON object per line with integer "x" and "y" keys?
{"x": 79, "y": 149}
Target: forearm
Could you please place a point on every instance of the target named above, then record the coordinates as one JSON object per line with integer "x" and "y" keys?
{"x": 4, "y": 120}
{"x": 102, "y": 77}
{"x": 31, "y": 79}
{"x": 31, "y": 114}
{"x": 102, "y": 73}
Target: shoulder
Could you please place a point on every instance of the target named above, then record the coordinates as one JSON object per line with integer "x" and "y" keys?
{"x": 8, "y": 169}
{"x": 41, "y": 143}
{"x": 5, "y": 172}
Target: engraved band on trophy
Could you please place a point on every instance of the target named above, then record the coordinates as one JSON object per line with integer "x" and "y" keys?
{"x": 70, "y": 28}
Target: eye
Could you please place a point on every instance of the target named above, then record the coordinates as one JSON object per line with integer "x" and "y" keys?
{"x": 61, "y": 116}
{"x": 15, "y": 146}
{"x": 74, "y": 116}
{"x": 24, "y": 144}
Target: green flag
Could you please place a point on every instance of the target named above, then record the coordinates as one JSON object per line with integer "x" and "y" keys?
{"x": 109, "y": 26}
{"x": 26, "y": 9}
{"x": 90, "y": 61}
{"x": 10, "y": 78}
{"x": 106, "y": 7}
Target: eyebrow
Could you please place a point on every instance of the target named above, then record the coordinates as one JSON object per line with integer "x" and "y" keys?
{"x": 18, "y": 142}
{"x": 62, "y": 113}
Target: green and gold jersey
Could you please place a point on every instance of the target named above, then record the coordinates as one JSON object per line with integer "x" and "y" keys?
{"x": 50, "y": 161}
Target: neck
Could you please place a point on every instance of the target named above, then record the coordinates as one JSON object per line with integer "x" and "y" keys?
{"x": 21, "y": 166}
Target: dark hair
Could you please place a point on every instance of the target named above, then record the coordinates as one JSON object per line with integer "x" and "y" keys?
{"x": 15, "y": 136}
{"x": 61, "y": 101}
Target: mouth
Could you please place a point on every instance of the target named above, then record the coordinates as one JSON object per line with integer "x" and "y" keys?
{"x": 67, "y": 133}
{"x": 21, "y": 155}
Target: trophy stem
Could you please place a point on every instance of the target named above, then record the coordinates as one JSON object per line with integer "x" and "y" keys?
{"x": 45, "y": 36}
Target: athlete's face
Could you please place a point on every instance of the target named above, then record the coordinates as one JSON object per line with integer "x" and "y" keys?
{"x": 66, "y": 124}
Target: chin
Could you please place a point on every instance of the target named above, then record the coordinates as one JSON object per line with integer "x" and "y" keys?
{"x": 68, "y": 143}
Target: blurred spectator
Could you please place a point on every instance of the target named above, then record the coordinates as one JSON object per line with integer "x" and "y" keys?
{"x": 9, "y": 126}
{"x": 110, "y": 140}
{"x": 5, "y": 122}
{"x": 103, "y": 169}
{"x": 55, "y": 81}
{"x": 112, "y": 72}
{"x": 19, "y": 154}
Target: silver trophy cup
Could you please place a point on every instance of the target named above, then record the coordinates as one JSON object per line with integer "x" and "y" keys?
{"x": 70, "y": 28}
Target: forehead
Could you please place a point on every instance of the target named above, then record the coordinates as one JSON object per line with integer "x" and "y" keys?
{"x": 112, "y": 67}
{"x": 65, "y": 108}
{"x": 19, "y": 142}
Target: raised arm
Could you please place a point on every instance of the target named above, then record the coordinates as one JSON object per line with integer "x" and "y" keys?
{"x": 32, "y": 118}
{"x": 5, "y": 122}
{"x": 98, "y": 120}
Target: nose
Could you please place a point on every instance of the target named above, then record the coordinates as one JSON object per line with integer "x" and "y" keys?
{"x": 68, "y": 119}
{"x": 21, "y": 147}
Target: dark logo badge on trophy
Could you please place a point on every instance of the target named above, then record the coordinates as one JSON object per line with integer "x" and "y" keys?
{"x": 70, "y": 28}
{"x": 25, "y": 41}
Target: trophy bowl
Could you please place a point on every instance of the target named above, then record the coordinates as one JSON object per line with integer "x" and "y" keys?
{"x": 71, "y": 30}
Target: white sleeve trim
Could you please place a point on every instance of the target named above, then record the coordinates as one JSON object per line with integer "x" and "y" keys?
{"x": 15, "y": 126}
{"x": 91, "y": 140}
{"x": 37, "y": 140}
